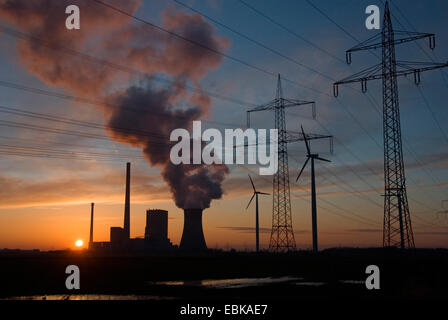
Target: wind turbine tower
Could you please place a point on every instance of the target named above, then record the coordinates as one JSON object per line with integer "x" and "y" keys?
{"x": 312, "y": 156}
{"x": 257, "y": 229}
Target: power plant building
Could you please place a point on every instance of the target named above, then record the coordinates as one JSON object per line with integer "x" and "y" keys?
{"x": 156, "y": 225}
{"x": 156, "y": 231}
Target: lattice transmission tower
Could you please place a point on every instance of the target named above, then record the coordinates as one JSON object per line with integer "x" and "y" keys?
{"x": 282, "y": 233}
{"x": 397, "y": 228}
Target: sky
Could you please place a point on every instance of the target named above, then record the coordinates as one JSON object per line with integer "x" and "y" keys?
{"x": 52, "y": 168}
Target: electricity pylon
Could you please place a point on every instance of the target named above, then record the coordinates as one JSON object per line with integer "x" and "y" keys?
{"x": 257, "y": 227}
{"x": 282, "y": 234}
{"x": 397, "y": 228}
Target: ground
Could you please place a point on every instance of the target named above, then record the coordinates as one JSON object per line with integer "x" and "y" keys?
{"x": 331, "y": 274}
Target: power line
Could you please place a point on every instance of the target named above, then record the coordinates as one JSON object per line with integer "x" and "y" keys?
{"x": 90, "y": 58}
{"x": 24, "y": 36}
{"x": 40, "y": 91}
{"x": 65, "y": 120}
{"x": 306, "y": 200}
{"x": 354, "y": 118}
{"x": 337, "y": 25}
{"x": 258, "y": 43}
{"x": 91, "y": 101}
{"x": 413, "y": 28}
{"x": 346, "y": 210}
{"x": 46, "y": 143}
{"x": 51, "y": 153}
{"x": 37, "y": 151}
{"x": 345, "y": 108}
{"x": 205, "y": 47}
{"x": 331, "y": 20}
{"x": 20, "y": 112}
{"x": 295, "y": 34}
{"x": 363, "y": 219}
{"x": 33, "y": 127}
{"x": 431, "y": 111}
{"x": 425, "y": 100}
{"x": 373, "y": 53}
{"x": 59, "y": 157}
{"x": 97, "y": 102}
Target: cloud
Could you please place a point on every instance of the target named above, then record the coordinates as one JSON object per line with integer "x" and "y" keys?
{"x": 109, "y": 187}
{"x": 252, "y": 230}
{"x": 365, "y": 230}
{"x": 438, "y": 233}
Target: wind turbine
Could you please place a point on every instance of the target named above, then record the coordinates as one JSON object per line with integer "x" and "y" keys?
{"x": 312, "y": 156}
{"x": 256, "y": 193}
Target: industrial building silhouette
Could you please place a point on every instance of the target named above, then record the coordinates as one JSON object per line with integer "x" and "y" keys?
{"x": 156, "y": 230}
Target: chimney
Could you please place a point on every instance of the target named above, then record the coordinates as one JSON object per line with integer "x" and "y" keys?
{"x": 193, "y": 236}
{"x": 91, "y": 224}
{"x": 127, "y": 217}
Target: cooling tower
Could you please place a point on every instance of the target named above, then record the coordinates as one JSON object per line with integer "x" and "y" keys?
{"x": 193, "y": 236}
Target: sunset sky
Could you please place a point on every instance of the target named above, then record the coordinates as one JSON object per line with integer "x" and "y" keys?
{"x": 58, "y": 155}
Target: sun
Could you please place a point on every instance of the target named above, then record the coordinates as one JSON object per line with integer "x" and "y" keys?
{"x": 79, "y": 243}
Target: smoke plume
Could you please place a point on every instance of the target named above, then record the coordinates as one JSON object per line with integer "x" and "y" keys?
{"x": 148, "y": 111}
{"x": 152, "y": 118}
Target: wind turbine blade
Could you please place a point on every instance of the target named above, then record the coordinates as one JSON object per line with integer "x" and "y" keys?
{"x": 264, "y": 193}
{"x": 250, "y": 201}
{"x": 253, "y": 186}
{"x": 322, "y": 159}
{"x": 304, "y": 165}
{"x": 306, "y": 141}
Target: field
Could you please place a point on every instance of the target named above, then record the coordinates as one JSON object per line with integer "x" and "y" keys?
{"x": 331, "y": 274}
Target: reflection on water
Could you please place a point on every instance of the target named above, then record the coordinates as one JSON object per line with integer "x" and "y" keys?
{"x": 311, "y": 284}
{"x": 246, "y": 282}
{"x": 88, "y": 297}
{"x": 212, "y": 284}
{"x": 231, "y": 283}
{"x": 352, "y": 281}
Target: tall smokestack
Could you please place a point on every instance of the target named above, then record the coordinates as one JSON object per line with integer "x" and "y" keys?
{"x": 127, "y": 216}
{"x": 91, "y": 224}
{"x": 193, "y": 236}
